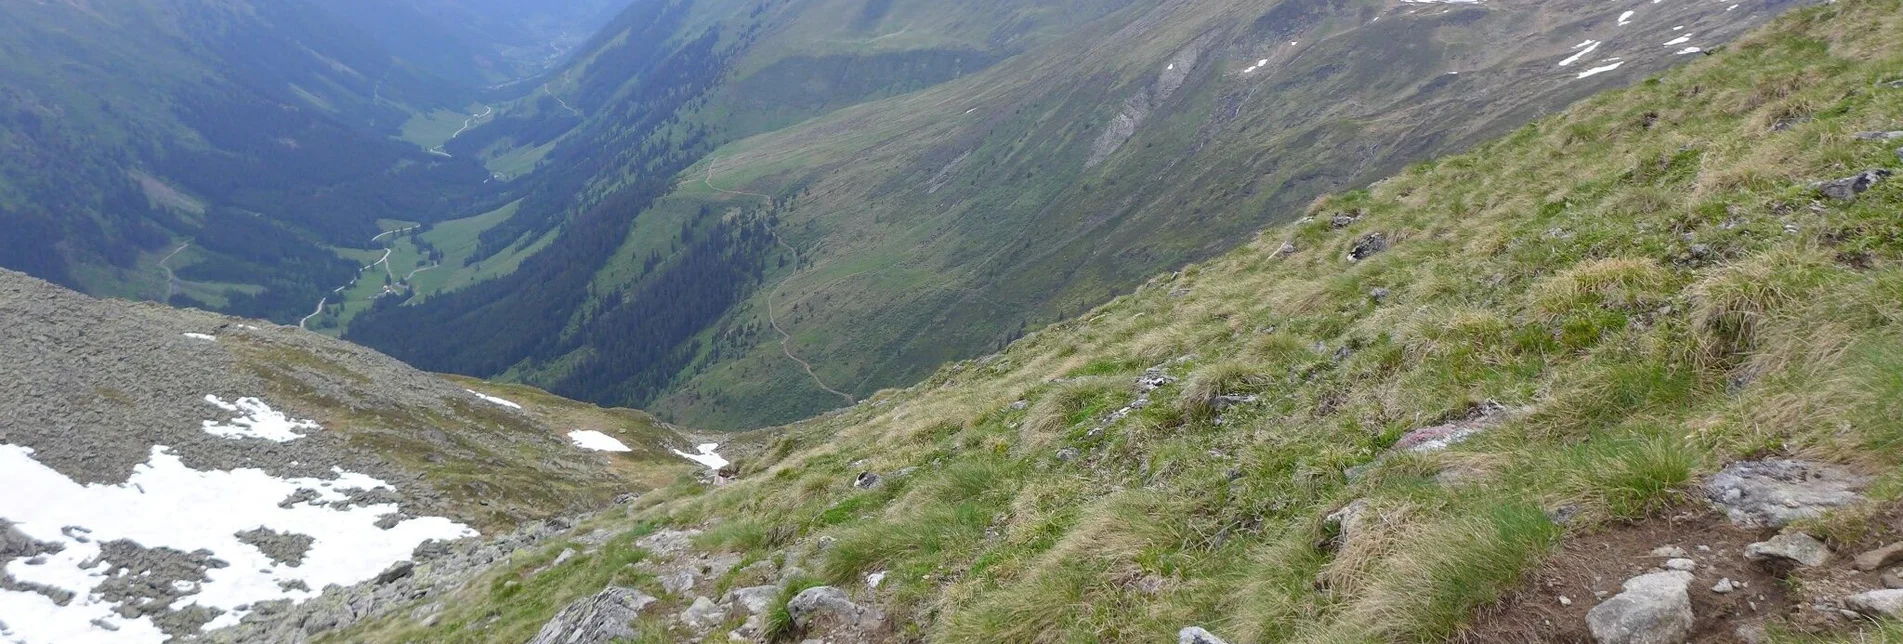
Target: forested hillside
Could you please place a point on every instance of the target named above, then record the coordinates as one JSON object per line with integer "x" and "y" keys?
{"x": 1005, "y": 165}
{"x": 214, "y": 154}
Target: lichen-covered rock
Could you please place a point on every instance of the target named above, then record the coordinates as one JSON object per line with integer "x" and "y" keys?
{"x": 1196, "y": 635}
{"x": 1653, "y": 609}
{"x": 600, "y": 619}
{"x": 1849, "y": 187}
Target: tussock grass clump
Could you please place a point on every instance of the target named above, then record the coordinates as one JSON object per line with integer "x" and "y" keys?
{"x": 1067, "y": 404}
{"x": 1200, "y": 393}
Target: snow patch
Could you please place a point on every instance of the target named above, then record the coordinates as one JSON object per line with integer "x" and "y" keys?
{"x": 256, "y": 420}
{"x": 1615, "y": 63}
{"x": 165, "y": 504}
{"x": 1588, "y": 45}
{"x": 1687, "y": 50}
{"x": 1679, "y": 40}
{"x": 593, "y": 440}
{"x": 1442, "y": 1}
{"x": 201, "y": 336}
{"x": 494, "y": 399}
{"x": 1626, "y": 18}
{"x": 1258, "y": 64}
{"x": 706, "y": 457}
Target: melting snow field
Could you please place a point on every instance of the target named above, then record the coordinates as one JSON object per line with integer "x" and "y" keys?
{"x": 201, "y": 336}
{"x": 593, "y": 440}
{"x": 706, "y": 457}
{"x": 1588, "y": 45}
{"x": 258, "y": 420}
{"x": 494, "y": 399}
{"x": 1615, "y": 63}
{"x": 168, "y": 505}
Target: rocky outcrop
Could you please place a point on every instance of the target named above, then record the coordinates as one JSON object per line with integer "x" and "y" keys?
{"x": 1654, "y": 608}
{"x": 1775, "y": 492}
{"x": 438, "y": 568}
{"x": 829, "y": 612}
{"x": 605, "y": 617}
{"x": 1137, "y": 108}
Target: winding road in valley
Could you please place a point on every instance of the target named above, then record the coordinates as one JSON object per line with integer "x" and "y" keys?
{"x": 385, "y": 261}
{"x": 171, "y": 279}
{"x": 771, "y": 317}
{"x": 467, "y": 123}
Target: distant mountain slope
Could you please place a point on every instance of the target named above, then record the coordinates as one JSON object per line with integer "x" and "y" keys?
{"x": 257, "y": 133}
{"x": 479, "y": 42}
{"x": 1016, "y": 167}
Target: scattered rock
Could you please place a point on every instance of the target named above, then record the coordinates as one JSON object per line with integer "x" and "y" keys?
{"x": 396, "y": 571}
{"x": 1790, "y": 546}
{"x": 1067, "y": 454}
{"x": 1378, "y": 294}
{"x": 1877, "y": 603}
{"x": 567, "y": 554}
{"x": 1196, "y": 635}
{"x": 1342, "y": 220}
{"x": 1565, "y": 601}
{"x": 1020, "y": 404}
{"x": 873, "y": 579}
{"x": 600, "y": 619}
{"x": 283, "y": 548}
{"x": 1670, "y": 552}
{"x": 1724, "y": 586}
{"x": 1879, "y": 557}
{"x": 1880, "y": 136}
{"x": 827, "y": 610}
{"x": 1152, "y": 378}
{"x": 1848, "y": 188}
{"x": 1346, "y": 523}
{"x": 1368, "y": 246}
{"x": 1681, "y": 564}
{"x": 1653, "y": 609}
{"x": 756, "y": 600}
{"x": 1775, "y": 492}
{"x": 703, "y": 615}
{"x": 1892, "y": 578}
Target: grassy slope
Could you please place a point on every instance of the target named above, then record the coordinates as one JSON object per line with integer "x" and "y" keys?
{"x": 1646, "y": 277}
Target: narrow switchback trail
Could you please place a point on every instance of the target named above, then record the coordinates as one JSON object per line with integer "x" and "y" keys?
{"x": 771, "y": 316}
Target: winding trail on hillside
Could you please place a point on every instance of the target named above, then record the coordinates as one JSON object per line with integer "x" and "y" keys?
{"x": 772, "y": 318}
{"x": 558, "y": 99}
{"x": 171, "y": 279}
{"x": 385, "y": 261}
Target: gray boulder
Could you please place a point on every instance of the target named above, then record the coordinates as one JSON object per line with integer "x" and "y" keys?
{"x": 1653, "y": 609}
{"x": 1775, "y": 492}
{"x": 1877, "y": 603}
{"x": 600, "y": 619}
{"x": 1196, "y": 635}
{"x": 1880, "y": 557}
{"x": 827, "y": 610}
{"x": 1790, "y": 546}
{"x": 1880, "y": 136}
{"x": 1368, "y": 246}
{"x": 1848, "y": 188}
